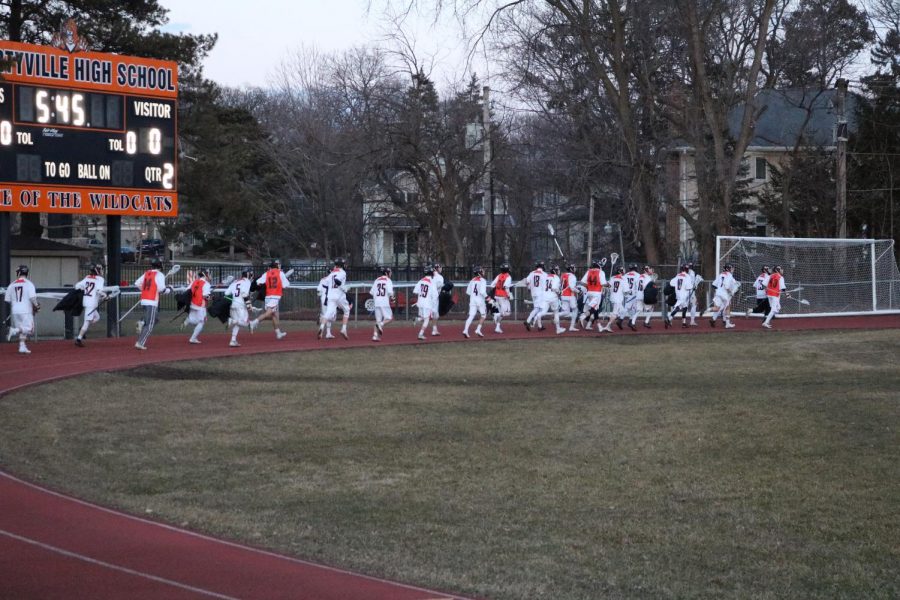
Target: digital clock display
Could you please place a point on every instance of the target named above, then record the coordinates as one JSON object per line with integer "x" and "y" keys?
{"x": 87, "y": 141}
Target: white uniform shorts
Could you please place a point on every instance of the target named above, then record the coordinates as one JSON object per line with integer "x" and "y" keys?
{"x": 568, "y": 304}
{"x": 425, "y": 309}
{"x": 722, "y": 301}
{"x": 332, "y": 307}
{"x": 477, "y": 306}
{"x": 272, "y": 302}
{"x": 239, "y": 313}
{"x": 618, "y": 307}
{"x": 197, "y": 314}
{"x": 24, "y": 322}
{"x": 681, "y": 300}
{"x": 593, "y": 300}
{"x": 775, "y": 303}
{"x": 91, "y": 313}
{"x": 383, "y": 313}
{"x": 503, "y": 305}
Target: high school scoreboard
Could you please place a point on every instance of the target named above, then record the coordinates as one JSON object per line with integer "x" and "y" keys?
{"x": 87, "y": 132}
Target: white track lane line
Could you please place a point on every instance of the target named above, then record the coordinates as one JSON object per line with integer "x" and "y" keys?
{"x": 107, "y": 565}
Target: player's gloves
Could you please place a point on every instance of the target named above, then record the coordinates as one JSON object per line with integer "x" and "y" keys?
{"x": 37, "y": 307}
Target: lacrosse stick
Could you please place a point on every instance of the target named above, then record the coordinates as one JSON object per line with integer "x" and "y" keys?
{"x": 802, "y": 301}
{"x": 794, "y": 291}
{"x": 172, "y": 271}
{"x": 553, "y": 235}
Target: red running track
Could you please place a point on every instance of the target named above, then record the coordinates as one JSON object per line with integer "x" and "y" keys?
{"x": 55, "y": 546}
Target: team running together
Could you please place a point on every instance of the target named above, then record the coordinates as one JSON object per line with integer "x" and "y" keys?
{"x": 630, "y": 296}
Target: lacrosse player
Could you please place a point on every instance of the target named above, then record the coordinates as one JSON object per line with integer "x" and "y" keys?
{"x": 502, "y": 284}
{"x": 335, "y": 298}
{"x": 437, "y": 280}
{"x": 568, "y": 296}
{"x": 382, "y": 293}
{"x": 23, "y": 300}
{"x": 774, "y": 288}
{"x": 646, "y": 285}
{"x": 617, "y": 287}
{"x": 239, "y": 292}
{"x": 275, "y": 282}
{"x": 726, "y": 286}
{"x": 424, "y": 291}
{"x": 324, "y": 323}
{"x": 200, "y": 292}
{"x": 549, "y": 300}
{"x": 762, "y": 301}
{"x": 152, "y": 283}
{"x": 694, "y": 280}
{"x": 631, "y": 295}
{"x": 477, "y": 291}
{"x": 92, "y": 286}
{"x": 535, "y": 282}
{"x": 683, "y": 291}
{"x": 594, "y": 281}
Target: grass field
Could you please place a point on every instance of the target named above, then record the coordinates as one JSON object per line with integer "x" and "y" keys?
{"x": 726, "y": 466}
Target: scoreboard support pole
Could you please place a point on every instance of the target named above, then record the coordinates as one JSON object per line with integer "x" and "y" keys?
{"x": 5, "y": 262}
{"x": 113, "y": 270}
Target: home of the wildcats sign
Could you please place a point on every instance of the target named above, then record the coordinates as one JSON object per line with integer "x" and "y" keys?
{"x": 87, "y": 132}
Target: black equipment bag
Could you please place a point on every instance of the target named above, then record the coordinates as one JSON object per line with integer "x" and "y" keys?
{"x": 71, "y": 303}
{"x": 183, "y": 300}
{"x": 445, "y": 299}
{"x": 651, "y": 293}
{"x": 669, "y": 292}
{"x": 220, "y": 308}
{"x": 259, "y": 290}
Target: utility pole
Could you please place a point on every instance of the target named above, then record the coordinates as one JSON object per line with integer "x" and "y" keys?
{"x": 841, "y": 167}
{"x": 590, "y": 239}
{"x": 488, "y": 187}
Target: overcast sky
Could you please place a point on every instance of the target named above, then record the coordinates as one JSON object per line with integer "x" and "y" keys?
{"x": 255, "y": 37}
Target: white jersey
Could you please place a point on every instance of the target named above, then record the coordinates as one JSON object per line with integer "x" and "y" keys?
{"x": 437, "y": 280}
{"x": 691, "y": 282}
{"x": 682, "y": 285}
{"x": 631, "y": 283}
{"x": 337, "y": 284}
{"x": 239, "y": 290}
{"x": 552, "y": 287}
{"x": 93, "y": 290}
{"x": 382, "y": 291}
{"x": 760, "y": 286}
{"x": 477, "y": 289}
{"x": 643, "y": 281}
{"x": 22, "y": 296}
{"x": 425, "y": 290}
{"x": 536, "y": 282}
{"x": 617, "y": 287}
{"x": 725, "y": 284}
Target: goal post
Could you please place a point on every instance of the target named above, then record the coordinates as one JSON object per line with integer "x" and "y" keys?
{"x": 824, "y": 276}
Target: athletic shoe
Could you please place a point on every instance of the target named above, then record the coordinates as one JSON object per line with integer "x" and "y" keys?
{"x": 13, "y": 332}
{"x": 254, "y": 324}
{"x": 647, "y": 325}
{"x": 478, "y": 333}
{"x": 421, "y": 336}
{"x": 380, "y": 329}
{"x": 631, "y": 325}
{"x": 321, "y": 332}
{"x": 193, "y": 341}
{"x": 343, "y": 334}
{"x": 24, "y": 350}
{"x": 684, "y": 325}
{"x": 749, "y": 311}
{"x": 619, "y": 322}
{"x": 183, "y": 324}
{"x": 328, "y": 336}
{"x": 375, "y": 338}
{"x": 560, "y": 330}
{"x": 729, "y": 325}
{"x": 140, "y": 346}
{"x": 528, "y": 325}
{"x": 465, "y": 334}
{"x": 234, "y": 344}
{"x": 79, "y": 343}
{"x": 573, "y": 329}
{"x": 712, "y": 322}
{"x": 767, "y": 326}
{"x": 693, "y": 323}
{"x": 280, "y": 335}
{"x": 497, "y": 330}
{"x": 435, "y": 333}
{"x": 541, "y": 328}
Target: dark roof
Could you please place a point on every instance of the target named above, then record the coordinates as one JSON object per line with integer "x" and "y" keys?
{"x": 785, "y": 113}
{"x": 20, "y": 243}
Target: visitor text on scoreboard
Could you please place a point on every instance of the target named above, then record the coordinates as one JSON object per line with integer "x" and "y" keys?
{"x": 87, "y": 132}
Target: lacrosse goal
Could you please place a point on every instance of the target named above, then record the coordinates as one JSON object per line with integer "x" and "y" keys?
{"x": 824, "y": 276}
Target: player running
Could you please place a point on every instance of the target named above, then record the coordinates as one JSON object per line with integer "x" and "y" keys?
{"x": 239, "y": 292}
{"x": 200, "y": 290}
{"x": 535, "y": 282}
{"x": 275, "y": 282}
{"x": 594, "y": 281}
{"x": 645, "y": 297}
{"x": 762, "y": 300}
{"x": 631, "y": 295}
{"x": 336, "y": 298}
{"x": 152, "y": 283}
{"x": 22, "y": 297}
{"x": 617, "y": 287}
{"x": 382, "y": 293}
{"x": 568, "y": 297}
{"x": 502, "y": 285}
{"x": 683, "y": 290}
{"x": 424, "y": 291}
{"x": 437, "y": 280}
{"x": 726, "y": 286}
{"x": 93, "y": 288}
{"x": 477, "y": 291}
{"x": 774, "y": 288}
{"x": 549, "y": 301}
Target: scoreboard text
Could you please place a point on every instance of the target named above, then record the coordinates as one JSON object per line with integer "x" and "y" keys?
{"x": 87, "y": 133}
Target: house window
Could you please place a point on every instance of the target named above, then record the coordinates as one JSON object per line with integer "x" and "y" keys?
{"x": 761, "y": 166}
{"x": 761, "y": 225}
{"x": 404, "y": 243}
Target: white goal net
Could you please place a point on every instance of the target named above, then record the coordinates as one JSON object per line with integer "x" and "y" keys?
{"x": 823, "y": 276}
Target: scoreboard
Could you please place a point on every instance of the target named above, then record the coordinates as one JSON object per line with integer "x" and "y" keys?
{"x": 87, "y": 133}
